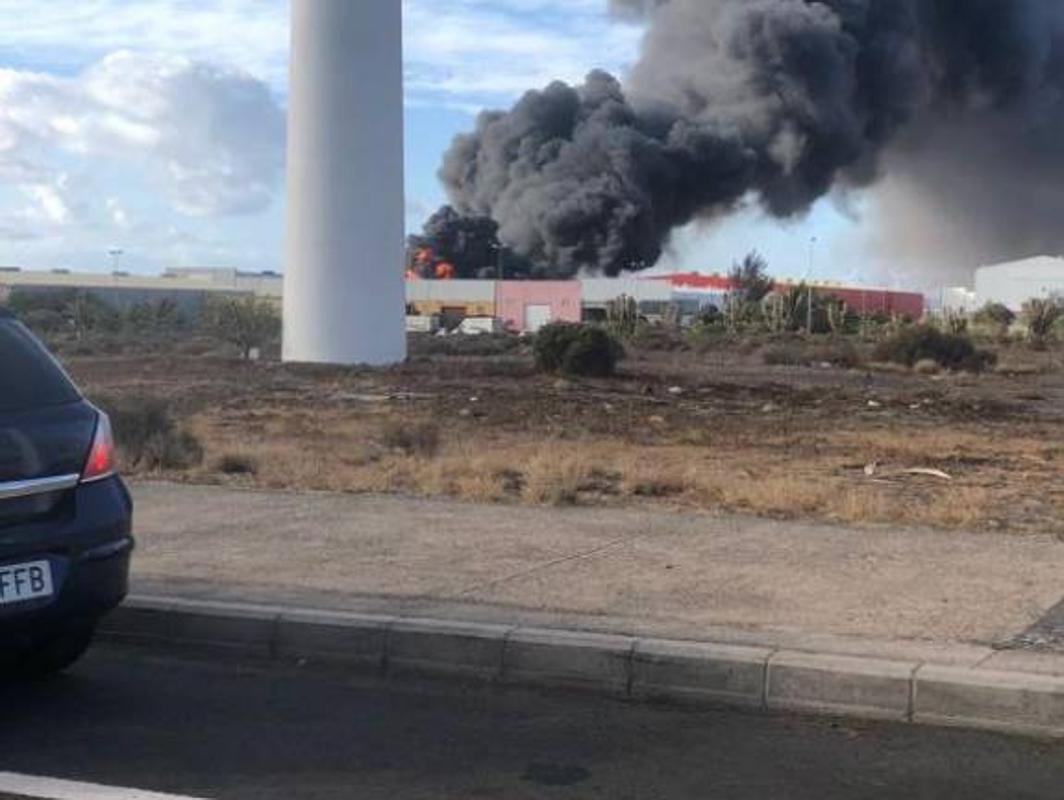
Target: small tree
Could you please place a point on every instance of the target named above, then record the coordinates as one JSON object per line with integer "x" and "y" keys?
{"x": 160, "y": 318}
{"x": 750, "y": 280}
{"x": 995, "y": 314}
{"x": 996, "y": 318}
{"x": 1041, "y": 316}
{"x": 247, "y": 322}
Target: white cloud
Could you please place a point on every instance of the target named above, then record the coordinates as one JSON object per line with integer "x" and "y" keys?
{"x": 249, "y": 34}
{"x": 210, "y": 139}
{"x": 143, "y": 120}
{"x": 459, "y": 52}
{"x": 49, "y": 204}
{"x": 476, "y": 53}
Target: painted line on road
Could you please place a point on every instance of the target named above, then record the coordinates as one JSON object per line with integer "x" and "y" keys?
{"x": 55, "y": 789}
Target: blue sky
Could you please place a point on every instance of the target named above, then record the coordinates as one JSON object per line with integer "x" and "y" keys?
{"x": 157, "y": 127}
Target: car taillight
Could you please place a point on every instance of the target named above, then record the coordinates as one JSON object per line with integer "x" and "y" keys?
{"x": 101, "y": 461}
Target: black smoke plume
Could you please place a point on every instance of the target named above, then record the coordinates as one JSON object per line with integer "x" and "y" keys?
{"x": 781, "y": 102}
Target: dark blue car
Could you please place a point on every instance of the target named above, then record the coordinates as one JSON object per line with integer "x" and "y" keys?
{"x": 65, "y": 515}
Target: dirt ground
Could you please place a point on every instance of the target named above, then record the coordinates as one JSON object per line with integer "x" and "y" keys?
{"x": 710, "y": 431}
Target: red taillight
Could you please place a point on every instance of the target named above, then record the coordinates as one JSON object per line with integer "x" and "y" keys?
{"x": 101, "y": 461}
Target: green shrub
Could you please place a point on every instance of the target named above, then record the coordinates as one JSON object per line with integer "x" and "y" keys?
{"x": 250, "y": 323}
{"x": 592, "y": 354}
{"x": 583, "y": 350}
{"x": 147, "y": 436}
{"x": 994, "y": 315}
{"x": 551, "y": 344}
{"x": 910, "y": 346}
{"x": 1041, "y": 316}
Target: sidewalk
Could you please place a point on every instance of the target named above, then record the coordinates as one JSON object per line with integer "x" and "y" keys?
{"x": 633, "y": 572}
{"x": 908, "y": 625}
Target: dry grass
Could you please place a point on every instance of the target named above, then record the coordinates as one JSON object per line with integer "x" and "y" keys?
{"x": 581, "y": 471}
{"x": 555, "y": 478}
{"x": 794, "y": 444}
{"x": 413, "y": 437}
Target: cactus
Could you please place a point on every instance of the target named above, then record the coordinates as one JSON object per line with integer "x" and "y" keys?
{"x": 955, "y": 321}
{"x": 622, "y": 316}
{"x": 837, "y": 314}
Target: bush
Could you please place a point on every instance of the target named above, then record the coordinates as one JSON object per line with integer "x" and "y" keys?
{"x": 1041, "y": 316}
{"x": 910, "y": 346}
{"x": 994, "y": 315}
{"x": 592, "y": 354}
{"x": 147, "y": 437}
{"x": 412, "y": 438}
{"x": 582, "y": 350}
{"x": 551, "y": 344}
{"x": 250, "y": 323}
{"x": 237, "y": 464}
{"x": 838, "y": 353}
{"x": 460, "y": 345}
{"x": 658, "y": 337}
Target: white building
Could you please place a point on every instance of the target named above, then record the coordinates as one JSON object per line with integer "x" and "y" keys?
{"x": 1013, "y": 284}
{"x": 957, "y": 299}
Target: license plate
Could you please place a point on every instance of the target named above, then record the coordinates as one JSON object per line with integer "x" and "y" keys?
{"x": 22, "y": 582}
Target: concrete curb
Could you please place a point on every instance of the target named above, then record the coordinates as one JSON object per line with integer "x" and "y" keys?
{"x": 708, "y": 673}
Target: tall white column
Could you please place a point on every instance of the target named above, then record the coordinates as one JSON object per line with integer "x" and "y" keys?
{"x": 344, "y": 294}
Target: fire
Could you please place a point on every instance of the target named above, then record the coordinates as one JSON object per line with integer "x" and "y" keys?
{"x": 424, "y": 265}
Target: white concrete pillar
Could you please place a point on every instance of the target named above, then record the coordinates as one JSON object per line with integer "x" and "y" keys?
{"x": 344, "y": 293}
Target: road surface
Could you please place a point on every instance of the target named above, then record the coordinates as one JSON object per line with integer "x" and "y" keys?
{"x": 132, "y": 722}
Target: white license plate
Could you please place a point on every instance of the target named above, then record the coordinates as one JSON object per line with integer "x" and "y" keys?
{"x": 22, "y": 582}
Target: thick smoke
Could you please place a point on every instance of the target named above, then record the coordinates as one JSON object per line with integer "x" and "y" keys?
{"x": 782, "y": 101}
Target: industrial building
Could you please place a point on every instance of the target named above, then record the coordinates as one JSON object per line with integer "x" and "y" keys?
{"x": 517, "y": 305}
{"x": 1016, "y": 282}
{"x": 652, "y": 297}
{"x": 694, "y": 290}
{"x": 188, "y": 289}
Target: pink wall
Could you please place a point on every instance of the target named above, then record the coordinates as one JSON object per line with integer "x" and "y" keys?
{"x": 513, "y": 297}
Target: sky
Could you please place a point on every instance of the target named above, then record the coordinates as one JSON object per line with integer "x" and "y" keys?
{"x": 157, "y": 127}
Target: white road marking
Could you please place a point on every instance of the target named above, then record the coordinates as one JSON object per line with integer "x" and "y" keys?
{"x": 53, "y": 789}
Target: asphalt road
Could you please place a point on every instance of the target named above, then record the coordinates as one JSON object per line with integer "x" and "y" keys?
{"x": 220, "y": 731}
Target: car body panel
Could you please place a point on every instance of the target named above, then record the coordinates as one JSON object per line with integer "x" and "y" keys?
{"x": 83, "y": 530}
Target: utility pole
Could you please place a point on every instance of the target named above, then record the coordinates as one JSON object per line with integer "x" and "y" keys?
{"x": 116, "y": 254}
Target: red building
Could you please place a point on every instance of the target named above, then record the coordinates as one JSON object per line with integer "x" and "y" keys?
{"x": 863, "y": 300}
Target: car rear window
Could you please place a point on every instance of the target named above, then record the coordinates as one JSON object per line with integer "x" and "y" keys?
{"x": 29, "y": 377}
